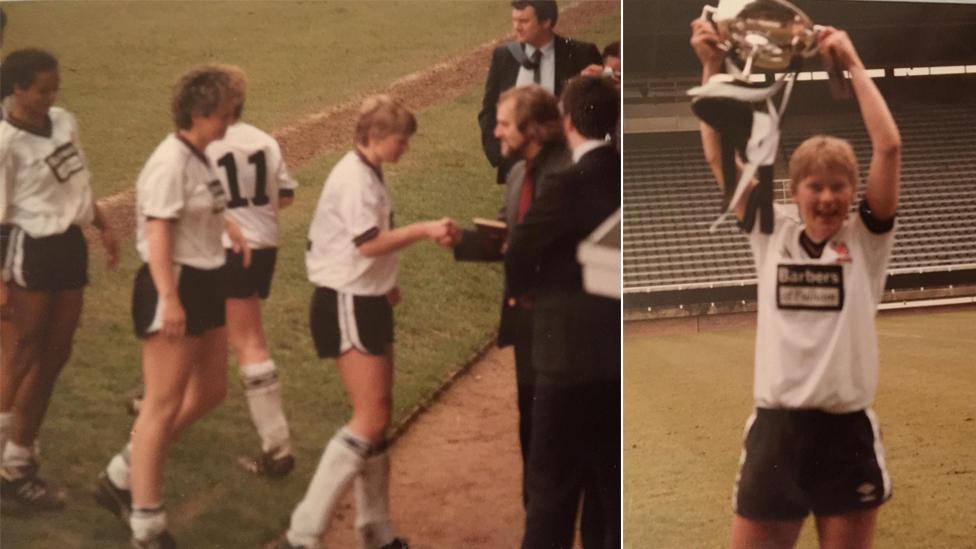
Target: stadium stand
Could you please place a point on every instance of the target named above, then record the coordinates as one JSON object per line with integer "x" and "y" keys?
{"x": 673, "y": 266}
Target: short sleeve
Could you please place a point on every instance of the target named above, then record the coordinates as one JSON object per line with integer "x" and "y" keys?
{"x": 161, "y": 190}
{"x": 361, "y": 208}
{"x": 280, "y": 173}
{"x": 876, "y": 238}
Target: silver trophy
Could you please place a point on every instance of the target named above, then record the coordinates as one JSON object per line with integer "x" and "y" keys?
{"x": 758, "y": 35}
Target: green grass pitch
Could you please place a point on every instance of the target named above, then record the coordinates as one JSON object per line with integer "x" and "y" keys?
{"x": 118, "y": 61}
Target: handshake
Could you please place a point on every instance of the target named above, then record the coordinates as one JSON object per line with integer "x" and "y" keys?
{"x": 445, "y": 232}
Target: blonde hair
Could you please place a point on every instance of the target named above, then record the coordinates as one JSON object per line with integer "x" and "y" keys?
{"x": 820, "y": 154}
{"x": 536, "y": 113}
{"x": 201, "y": 90}
{"x": 380, "y": 116}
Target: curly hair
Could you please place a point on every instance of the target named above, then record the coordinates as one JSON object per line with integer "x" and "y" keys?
{"x": 536, "y": 113}
{"x": 202, "y": 90}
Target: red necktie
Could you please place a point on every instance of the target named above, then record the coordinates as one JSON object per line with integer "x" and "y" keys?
{"x": 528, "y": 190}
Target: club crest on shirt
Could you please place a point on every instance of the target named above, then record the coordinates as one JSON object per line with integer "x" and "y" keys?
{"x": 65, "y": 162}
{"x": 840, "y": 249}
{"x": 219, "y": 196}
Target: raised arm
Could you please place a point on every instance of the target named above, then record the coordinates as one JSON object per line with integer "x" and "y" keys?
{"x": 884, "y": 173}
{"x": 704, "y": 40}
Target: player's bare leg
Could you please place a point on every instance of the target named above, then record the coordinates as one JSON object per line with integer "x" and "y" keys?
{"x": 167, "y": 364}
{"x": 261, "y": 387}
{"x": 40, "y": 331}
{"x": 848, "y": 531}
{"x": 752, "y": 534}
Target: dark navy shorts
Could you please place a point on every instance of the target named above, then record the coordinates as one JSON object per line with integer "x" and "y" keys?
{"x": 49, "y": 263}
{"x": 795, "y": 462}
{"x": 254, "y": 280}
{"x": 340, "y": 322}
{"x": 202, "y": 294}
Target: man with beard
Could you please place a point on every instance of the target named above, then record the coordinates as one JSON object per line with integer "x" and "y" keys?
{"x": 576, "y": 335}
{"x": 529, "y": 130}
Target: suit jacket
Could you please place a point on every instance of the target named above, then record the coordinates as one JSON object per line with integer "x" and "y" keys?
{"x": 475, "y": 246}
{"x": 576, "y": 336}
{"x": 571, "y": 57}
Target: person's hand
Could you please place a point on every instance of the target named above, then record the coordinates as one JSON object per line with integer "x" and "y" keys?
{"x": 443, "y": 231}
{"x": 592, "y": 70}
{"x": 836, "y": 48}
{"x": 110, "y": 242}
{"x": 393, "y": 296}
{"x": 237, "y": 241}
{"x": 705, "y": 40}
{"x": 174, "y": 317}
{"x": 452, "y": 237}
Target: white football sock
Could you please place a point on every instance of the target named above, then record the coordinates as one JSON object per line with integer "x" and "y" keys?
{"x": 263, "y": 392}
{"x": 372, "y": 490}
{"x": 341, "y": 461}
{"x": 118, "y": 468}
{"x": 16, "y": 458}
{"x": 147, "y": 522}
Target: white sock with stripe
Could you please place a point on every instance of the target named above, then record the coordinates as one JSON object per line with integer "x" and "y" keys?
{"x": 341, "y": 461}
{"x": 147, "y": 522}
{"x": 263, "y": 392}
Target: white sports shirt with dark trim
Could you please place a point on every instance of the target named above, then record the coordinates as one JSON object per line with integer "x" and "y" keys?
{"x": 253, "y": 173}
{"x": 816, "y": 345}
{"x": 44, "y": 179}
{"x": 178, "y": 183}
{"x": 354, "y": 207}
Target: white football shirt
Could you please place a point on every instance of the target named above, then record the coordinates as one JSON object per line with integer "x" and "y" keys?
{"x": 355, "y": 205}
{"x": 816, "y": 345}
{"x": 253, "y": 173}
{"x": 44, "y": 179}
{"x": 178, "y": 183}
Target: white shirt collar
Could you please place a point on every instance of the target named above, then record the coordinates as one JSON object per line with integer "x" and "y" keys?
{"x": 547, "y": 50}
{"x": 588, "y": 146}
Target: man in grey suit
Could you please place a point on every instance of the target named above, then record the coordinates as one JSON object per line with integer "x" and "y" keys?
{"x": 529, "y": 130}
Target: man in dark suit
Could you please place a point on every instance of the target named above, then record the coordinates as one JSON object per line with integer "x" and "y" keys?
{"x": 529, "y": 129}
{"x": 576, "y": 335}
{"x": 537, "y": 56}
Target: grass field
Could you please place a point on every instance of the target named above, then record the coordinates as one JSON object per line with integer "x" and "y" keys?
{"x": 686, "y": 399}
{"x": 118, "y": 60}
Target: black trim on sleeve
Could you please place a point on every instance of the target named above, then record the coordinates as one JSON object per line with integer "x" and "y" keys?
{"x": 366, "y": 237}
{"x": 874, "y": 224}
{"x": 286, "y": 193}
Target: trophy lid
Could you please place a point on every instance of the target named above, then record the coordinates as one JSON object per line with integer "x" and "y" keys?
{"x": 770, "y": 32}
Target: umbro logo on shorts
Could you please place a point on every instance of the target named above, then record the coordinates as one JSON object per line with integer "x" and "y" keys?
{"x": 867, "y": 491}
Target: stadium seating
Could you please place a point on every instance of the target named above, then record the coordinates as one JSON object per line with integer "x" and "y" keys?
{"x": 670, "y": 199}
